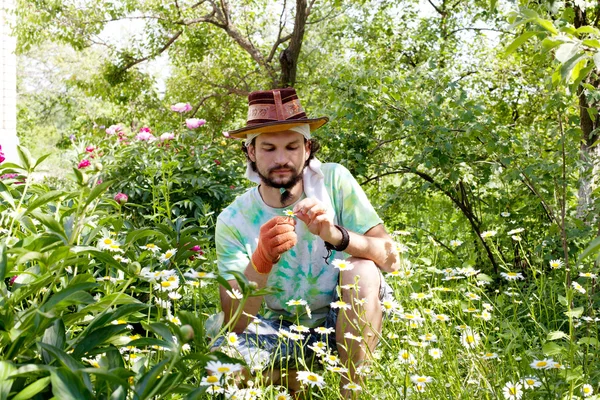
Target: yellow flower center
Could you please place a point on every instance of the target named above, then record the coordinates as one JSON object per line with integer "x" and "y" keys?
{"x": 542, "y": 363}
{"x": 223, "y": 369}
{"x": 512, "y": 390}
{"x": 470, "y": 339}
{"x": 107, "y": 241}
{"x": 421, "y": 379}
{"x": 212, "y": 379}
{"x": 312, "y": 378}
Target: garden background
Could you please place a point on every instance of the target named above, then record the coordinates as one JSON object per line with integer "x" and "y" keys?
{"x": 471, "y": 125}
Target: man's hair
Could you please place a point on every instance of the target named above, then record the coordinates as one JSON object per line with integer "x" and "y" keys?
{"x": 314, "y": 149}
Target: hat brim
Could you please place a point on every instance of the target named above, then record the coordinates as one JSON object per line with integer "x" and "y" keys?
{"x": 277, "y": 126}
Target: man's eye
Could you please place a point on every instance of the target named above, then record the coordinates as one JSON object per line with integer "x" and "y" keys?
{"x": 293, "y": 148}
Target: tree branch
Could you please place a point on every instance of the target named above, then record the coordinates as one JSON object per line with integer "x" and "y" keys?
{"x": 476, "y": 29}
{"x": 160, "y": 51}
{"x": 436, "y": 8}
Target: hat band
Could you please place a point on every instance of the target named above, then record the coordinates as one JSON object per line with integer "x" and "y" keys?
{"x": 261, "y": 113}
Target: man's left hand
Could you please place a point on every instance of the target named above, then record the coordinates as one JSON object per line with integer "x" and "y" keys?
{"x": 314, "y": 214}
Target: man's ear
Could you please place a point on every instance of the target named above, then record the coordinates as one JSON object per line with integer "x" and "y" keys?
{"x": 307, "y": 148}
{"x": 252, "y": 153}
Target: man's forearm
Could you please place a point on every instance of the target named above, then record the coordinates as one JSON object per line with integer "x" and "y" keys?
{"x": 251, "y": 305}
{"x": 375, "y": 245}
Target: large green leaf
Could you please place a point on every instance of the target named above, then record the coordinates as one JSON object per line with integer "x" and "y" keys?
{"x": 97, "y": 338}
{"x": 518, "y": 42}
{"x": 54, "y": 336}
{"x": 68, "y": 386}
{"x": 147, "y": 382}
{"x": 26, "y": 159}
{"x": 97, "y": 191}
{"x": 6, "y": 195}
{"x": 43, "y": 199}
{"x": 65, "y": 293}
{"x": 30, "y": 391}
{"x": 64, "y": 358}
{"x": 3, "y": 261}
{"x": 6, "y": 368}
{"x": 122, "y": 311}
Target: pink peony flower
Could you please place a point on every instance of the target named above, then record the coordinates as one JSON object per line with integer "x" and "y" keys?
{"x": 2, "y": 157}
{"x": 194, "y": 123}
{"x": 181, "y": 107}
{"x": 8, "y": 176}
{"x": 90, "y": 149}
{"x": 217, "y": 162}
{"x": 13, "y": 279}
{"x": 121, "y": 198}
{"x": 83, "y": 163}
{"x": 111, "y": 130}
{"x": 167, "y": 136}
{"x": 145, "y": 129}
{"x": 145, "y": 136}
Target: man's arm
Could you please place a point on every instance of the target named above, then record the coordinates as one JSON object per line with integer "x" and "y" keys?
{"x": 375, "y": 245}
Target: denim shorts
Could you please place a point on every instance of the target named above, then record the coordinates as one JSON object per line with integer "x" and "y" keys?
{"x": 263, "y": 346}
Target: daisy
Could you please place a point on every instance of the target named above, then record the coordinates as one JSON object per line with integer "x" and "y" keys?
{"x": 419, "y": 387}
{"x": 556, "y": 264}
{"x": 406, "y": 358}
{"x": 300, "y": 328}
{"x": 421, "y": 379}
{"x": 152, "y": 247}
{"x": 174, "y": 320}
{"x": 435, "y": 353}
{"x": 210, "y": 380}
{"x": 115, "y": 247}
{"x": 166, "y": 286}
{"x": 578, "y": 287}
{"x": 587, "y": 390}
{"x": 348, "y": 335}
{"x": 298, "y": 302}
{"x": 489, "y": 356}
{"x": 192, "y": 274}
{"x": 282, "y": 396}
{"x": 319, "y": 347}
{"x": 105, "y": 242}
{"x": 488, "y": 234}
{"x": 337, "y": 369}
{"x": 235, "y": 294}
{"x": 441, "y": 317}
{"x": 174, "y": 295}
{"x": 469, "y": 338}
{"x": 331, "y": 359}
{"x": 289, "y": 213}
{"x": 455, "y": 243}
{"x": 546, "y": 363}
{"x": 342, "y": 265}
{"x": 310, "y": 378}
{"x": 472, "y": 296}
{"x": 232, "y": 339}
{"x": 324, "y": 331}
{"x": 512, "y": 391}
{"x": 167, "y": 255}
{"x": 485, "y": 315}
{"x": 340, "y": 304}
{"x": 218, "y": 368}
{"x": 515, "y": 231}
{"x": 588, "y": 275}
{"x": 530, "y": 382}
{"x": 511, "y": 276}
{"x": 420, "y": 296}
{"x": 352, "y": 386}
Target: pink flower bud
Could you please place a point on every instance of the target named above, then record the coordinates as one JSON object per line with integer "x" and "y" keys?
{"x": 121, "y": 198}
{"x": 13, "y": 279}
{"x": 90, "y": 148}
{"x": 181, "y": 107}
{"x": 145, "y": 136}
{"x": 194, "y": 123}
{"x": 145, "y": 129}
{"x": 217, "y": 162}
{"x": 83, "y": 164}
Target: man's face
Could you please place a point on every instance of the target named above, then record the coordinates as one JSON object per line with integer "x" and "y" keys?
{"x": 280, "y": 158}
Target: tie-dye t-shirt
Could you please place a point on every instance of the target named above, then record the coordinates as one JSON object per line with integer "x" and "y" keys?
{"x": 301, "y": 273}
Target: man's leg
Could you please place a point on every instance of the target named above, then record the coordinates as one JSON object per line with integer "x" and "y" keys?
{"x": 362, "y": 320}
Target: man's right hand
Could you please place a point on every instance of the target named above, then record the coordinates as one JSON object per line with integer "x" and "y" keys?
{"x": 276, "y": 237}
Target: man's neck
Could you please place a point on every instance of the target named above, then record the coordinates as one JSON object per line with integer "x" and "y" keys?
{"x": 272, "y": 196}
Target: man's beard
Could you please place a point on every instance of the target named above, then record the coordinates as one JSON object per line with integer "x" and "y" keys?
{"x": 283, "y": 186}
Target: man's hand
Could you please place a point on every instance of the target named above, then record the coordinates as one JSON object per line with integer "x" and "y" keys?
{"x": 314, "y": 214}
{"x": 276, "y": 237}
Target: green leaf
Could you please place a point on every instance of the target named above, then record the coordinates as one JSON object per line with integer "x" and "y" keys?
{"x": 97, "y": 191}
{"x": 68, "y": 386}
{"x": 106, "y": 318}
{"x": 3, "y": 261}
{"x": 97, "y": 338}
{"x": 563, "y": 300}
{"x": 54, "y": 336}
{"x": 551, "y": 348}
{"x": 575, "y": 313}
{"x": 53, "y": 225}
{"x": 161, "y": 330}
{"x": 587, "y": 29}
{"x": 590, "y": 341}
{"x": 147, "y": 382}
{"x": 213, "y": 324}
{"x": 65, "y": 293}
{"x": 65, "y": 359}
{"x": 26, "y": 158}
{"x": 567, "y": 69}
{"x": 591, "y": 43}
{"x": 555, "y": 335}
{"x": 547, "y": 25}
{"x": 565, "y": 52}
{"x": 6, "y": 195}
{"x": 6, "y": 368}
{"x": 518, "y": 42}
{"x": 43, "y": 199}
{"x": 41, "y": 159}
{"x": 30, "y": 391}
{"x": 592, "y": 249}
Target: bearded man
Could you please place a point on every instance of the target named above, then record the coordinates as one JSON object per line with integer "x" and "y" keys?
{"x": 309, "y": 232}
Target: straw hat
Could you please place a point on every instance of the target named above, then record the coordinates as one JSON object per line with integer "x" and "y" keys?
{"x": 275, "y": 111}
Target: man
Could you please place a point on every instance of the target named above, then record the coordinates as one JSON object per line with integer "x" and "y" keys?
{"x": 288, "y": 233}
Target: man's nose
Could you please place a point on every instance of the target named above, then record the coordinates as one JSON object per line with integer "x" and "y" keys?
{"x": 281, "y": 157}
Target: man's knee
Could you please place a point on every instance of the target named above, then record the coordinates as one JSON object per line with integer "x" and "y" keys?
{"x": 365, "y": 274}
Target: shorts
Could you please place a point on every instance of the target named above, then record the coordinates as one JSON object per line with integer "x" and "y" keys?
{"x": 263, "y": 346}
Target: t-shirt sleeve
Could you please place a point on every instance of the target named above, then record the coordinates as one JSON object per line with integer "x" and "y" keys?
{"x": 231, "y": 253}
{"x": 354, "y": 210}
